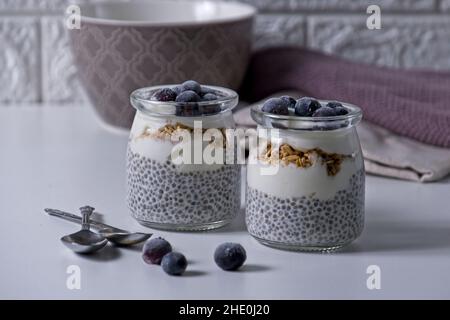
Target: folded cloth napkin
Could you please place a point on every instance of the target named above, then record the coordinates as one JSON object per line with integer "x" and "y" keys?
{"x": 415, "y": 104}
{"x": 385, "y": 153}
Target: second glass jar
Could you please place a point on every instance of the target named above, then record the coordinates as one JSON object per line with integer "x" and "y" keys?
{"x": 305, "y": 184}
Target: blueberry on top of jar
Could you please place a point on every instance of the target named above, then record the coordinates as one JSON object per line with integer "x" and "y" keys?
{"x": 276, "y": 106}
{"x": 188, "y": 91}
{"x": 324, "y": 112}
{"x": 191, "y": 99}
{"x": 206, "y": 90}
{"x": 209, "y": 97}
{"x": 289, "y": 101}
{"x": 340, "y": 111}
{"x": 306, "y": 106}
{"x": 178, "y": 89}
{"x": 334, "y": 104}
{"x": 190, "y": 110}
{"x": 303, "y": 107}
{"x": 165, "y": 94}
{"x": 192, "y": 85}
{"x": 188, "y": 96}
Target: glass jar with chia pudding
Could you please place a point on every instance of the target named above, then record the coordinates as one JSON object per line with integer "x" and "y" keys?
{"x": 305, "y": 181}
{"x": 176, "y": 188}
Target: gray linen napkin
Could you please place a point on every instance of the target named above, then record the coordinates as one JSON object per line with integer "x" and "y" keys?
{"x": 385, "y": 153}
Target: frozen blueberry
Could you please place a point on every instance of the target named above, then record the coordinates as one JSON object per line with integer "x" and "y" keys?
{"x": 209, "y": 97}
{"x": 188, "y": 96}
{"x": 155, "y": 249}
{"x": 334, "y": 104}
{"x": 230, "y": 256}
{"x": 290, "y": 102}
{"x": 209, "y": 109}
{"x": 206, "y": 90}
{"x": 192, "y": 85}
{"x": 165, "y": 94}
{"x": 305, "y": 107}
{"x": 275, "y": 106}
{"x": 174, "y": 263}
{"x": 340, "y": 111}
{"x": 178, "y": 89}
{"x": 187, "y": 110}
{"x": 324, "y": 112}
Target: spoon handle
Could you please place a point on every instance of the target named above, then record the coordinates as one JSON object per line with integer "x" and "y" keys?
{"x": 77, "y": 219}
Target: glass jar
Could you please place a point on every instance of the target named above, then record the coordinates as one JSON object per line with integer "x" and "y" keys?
{"x": 305, "y": 181}
{"x": 175, "y": 188}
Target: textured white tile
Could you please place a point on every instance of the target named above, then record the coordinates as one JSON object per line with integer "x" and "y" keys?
{"x": 19, "y": 76}
{"x": 265, "y": 5}
{"x": 53, "y": 5}
{"x": 401, "y": 42}
{"x": 60, "y": 83}
{"x": 351, "y": 5}
{"x": 277, "y": 29}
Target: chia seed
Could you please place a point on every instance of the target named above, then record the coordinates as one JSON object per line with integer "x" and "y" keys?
{"x": 325, "y": 223}
{"x": 181, "y": 198}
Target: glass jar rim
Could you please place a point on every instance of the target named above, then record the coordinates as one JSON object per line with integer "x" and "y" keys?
{"x": 294, "y": 122}
{"x": 141, "y": 100}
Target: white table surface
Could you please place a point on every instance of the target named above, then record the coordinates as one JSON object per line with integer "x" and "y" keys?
{"x": 61, "y": 158}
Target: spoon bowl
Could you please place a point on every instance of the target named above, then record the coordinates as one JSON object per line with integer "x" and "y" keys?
{"x": 84, "y": 241}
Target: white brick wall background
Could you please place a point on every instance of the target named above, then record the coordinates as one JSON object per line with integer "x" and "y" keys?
{"x": 36, "y": 66}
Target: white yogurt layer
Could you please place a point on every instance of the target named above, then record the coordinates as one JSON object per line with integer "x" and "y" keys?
{"x": 292, "y": 181}
{"x": 147, "y": 145}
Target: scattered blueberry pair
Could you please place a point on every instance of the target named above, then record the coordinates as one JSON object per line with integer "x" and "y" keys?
{"x": 159, "y": 251}
{"x": 303, "y": 107}
{"x": 228, "y": 256}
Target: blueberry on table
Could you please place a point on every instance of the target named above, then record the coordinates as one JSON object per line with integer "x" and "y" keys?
{"x": 192, "y": 86}
{"x": 324, "y": 112}
{"x": 230, "y": 256}
{"x": 290, "y": 102}
{"x": 275, "y": 106}
{"x": 305, "y": 107}
{"x": 188, "y": 96}
{"x": 340, "y": 111}
{"x": 174, "y": 263}
{"x": 334, "y": 104}
{"x": 165, "y": 94}
{"x": 209, "y": 97}
{"x": 155, "y": 249}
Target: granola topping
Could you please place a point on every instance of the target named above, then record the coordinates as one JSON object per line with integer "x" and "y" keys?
{"x": 168, "y": 130}
{"x": 303, "y": 158}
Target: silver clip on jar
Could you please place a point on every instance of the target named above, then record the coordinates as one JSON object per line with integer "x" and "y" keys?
{"x": 166, "y": 192}
{"x": 309, "y": 195}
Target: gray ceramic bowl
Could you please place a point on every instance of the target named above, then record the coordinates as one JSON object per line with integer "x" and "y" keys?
{"x": 124, "y": 46}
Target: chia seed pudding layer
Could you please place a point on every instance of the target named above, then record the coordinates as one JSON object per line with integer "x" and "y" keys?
{"x": 158, "y": 193}
{"x": 307, "y": 221}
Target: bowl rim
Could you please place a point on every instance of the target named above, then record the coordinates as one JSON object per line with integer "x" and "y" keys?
{"x": 251, "y": 12}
